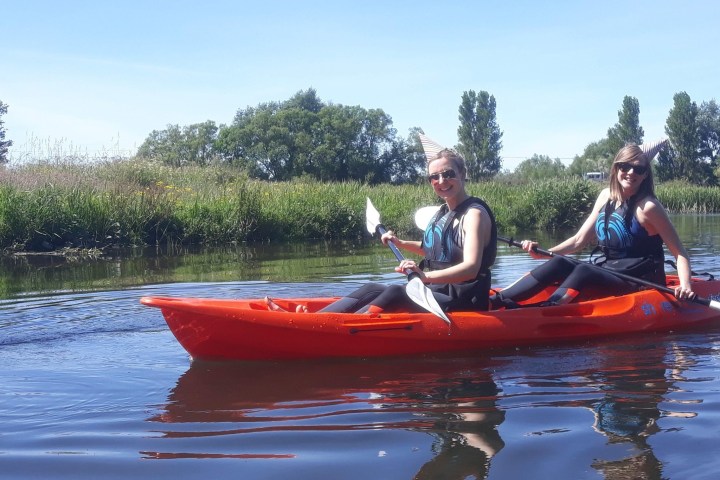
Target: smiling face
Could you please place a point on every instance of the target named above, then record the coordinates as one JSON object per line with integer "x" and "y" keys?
{"x": 446, "y": 178}
{"x": 631, "y": 174}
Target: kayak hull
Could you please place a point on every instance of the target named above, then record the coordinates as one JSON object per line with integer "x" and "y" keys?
{"x": 222, "y": 329}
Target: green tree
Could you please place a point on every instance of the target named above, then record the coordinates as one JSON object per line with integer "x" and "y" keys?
{"x": 598, "y": 155}
{"x": 539, "y": 167}
{"x": 408, "y": 164}
{"x": 176, "y": 146}
{"x": 355, "y": 144}
{"x": 628, "y": 129}
{"x": 709, "y": 131}
{"x": 4, "y": 144}
{"x": 305, "y": 100}
{"x": 479, "y": 135}
{"x": 684, "y": 161}
{"x": 595, "y": 158}
{"x": 303, "y": 136}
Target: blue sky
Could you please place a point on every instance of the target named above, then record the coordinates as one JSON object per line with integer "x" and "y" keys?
{"x": 101, "y": 75}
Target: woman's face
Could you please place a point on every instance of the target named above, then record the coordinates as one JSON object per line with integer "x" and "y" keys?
{"x": 630, "y": 175}
{"x": 445, "y": 178}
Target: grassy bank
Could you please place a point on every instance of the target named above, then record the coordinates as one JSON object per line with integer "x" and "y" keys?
{"x": 132, "y": 203}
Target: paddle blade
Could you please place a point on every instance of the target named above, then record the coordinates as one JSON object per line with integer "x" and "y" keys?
{"x": 430, "y": 147}
{"x": 651, "y": 149}
{"x": 420, "y": 294}
{"x": 372, "y": 217}
{"x": 424, "y": 215}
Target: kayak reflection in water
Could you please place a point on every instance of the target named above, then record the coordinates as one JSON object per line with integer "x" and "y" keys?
{"x": 304, "y": 409}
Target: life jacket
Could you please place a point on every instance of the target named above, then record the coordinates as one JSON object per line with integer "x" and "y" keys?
{"x": 443, "y": 247}
{"x": 620, "y": 236}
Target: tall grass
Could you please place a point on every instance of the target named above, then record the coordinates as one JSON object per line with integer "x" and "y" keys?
{"x": 47, "y": 206}
{"x": 679, "y": 197}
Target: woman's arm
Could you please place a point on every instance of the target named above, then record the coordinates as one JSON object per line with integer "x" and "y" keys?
{"x": 653, "y": 217}
{"x": 409, "y": 245}
{"x": 582, "y": 237}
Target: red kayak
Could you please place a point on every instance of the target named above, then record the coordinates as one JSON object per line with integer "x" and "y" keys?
{"x": 218, "y": 329}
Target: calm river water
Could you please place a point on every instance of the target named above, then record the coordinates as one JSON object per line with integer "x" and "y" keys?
{"x": 94, "y": 385}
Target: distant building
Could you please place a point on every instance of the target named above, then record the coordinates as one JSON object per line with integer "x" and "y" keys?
{"x": 597, "y": 176}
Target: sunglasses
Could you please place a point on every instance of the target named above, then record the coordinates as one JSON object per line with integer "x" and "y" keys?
{"x": 626, "y": 167}
{"x": 446, "y": 175}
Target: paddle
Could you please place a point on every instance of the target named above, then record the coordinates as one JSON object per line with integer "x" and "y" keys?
{"x": 415, "y": 288}
{"x": 702, "y": 301}
{"x": 425, "y": 214}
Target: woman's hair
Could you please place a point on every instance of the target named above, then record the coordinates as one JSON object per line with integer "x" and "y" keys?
{"x": 631, "y": 153}
{"x": 454, "y": 157}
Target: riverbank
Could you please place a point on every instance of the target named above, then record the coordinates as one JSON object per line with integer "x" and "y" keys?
{"x": 47, "y": 207}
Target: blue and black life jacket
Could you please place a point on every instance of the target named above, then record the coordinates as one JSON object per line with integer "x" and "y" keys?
{"x": 620, "y": 236}
{"x": 443, "y": 247}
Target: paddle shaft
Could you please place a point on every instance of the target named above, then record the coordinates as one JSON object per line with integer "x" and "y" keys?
{"x": 380, "y": 229}
{"x": 702, "y": 301}
{"x": 416, "y": 289}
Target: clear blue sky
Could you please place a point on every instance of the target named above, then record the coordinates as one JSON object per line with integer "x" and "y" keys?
{"x": 99, "y": 74}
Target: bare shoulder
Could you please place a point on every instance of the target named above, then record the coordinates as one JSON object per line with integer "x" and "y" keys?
{"x": 649, "y": 205}
{"x": 477, "y": 220}
{"x": 604, "y": 195}
{"x": 652, "y": 216}
{"x": 476, "y": 215}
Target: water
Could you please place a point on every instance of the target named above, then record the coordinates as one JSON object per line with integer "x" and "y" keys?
{"x": 93, "y": 384}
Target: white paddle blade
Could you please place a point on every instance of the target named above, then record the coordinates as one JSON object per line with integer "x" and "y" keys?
{"x": 420, "y": 294}
{"x": 651, "y": 149}
{"x": 372, "y": 217}
{"x": 424, "y": 215}
{"x": 430, "y": 147}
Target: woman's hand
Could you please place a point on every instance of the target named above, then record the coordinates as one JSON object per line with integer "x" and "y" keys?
{"x": 530, "y": 246}
{"x": 407, "y": 264}
{"x": 389, "y": 236}
{"x": 683, "y": 293}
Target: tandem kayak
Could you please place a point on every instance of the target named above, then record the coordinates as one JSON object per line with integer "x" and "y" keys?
{"x": 236, "y": 329}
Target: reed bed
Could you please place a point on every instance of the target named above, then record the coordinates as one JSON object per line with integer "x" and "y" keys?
{"x": 681, "y": 197}
{"x": 47, "y": 206}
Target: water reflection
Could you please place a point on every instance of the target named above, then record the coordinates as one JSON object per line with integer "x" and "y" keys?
{"x": 277, "y": 262}
{"x": 124, "y": 268}
{"x": 634, "y": 383}
{"x": 458, "y": 405}
{"x": 453, "y": 400}
{"x": 629, "y": 386}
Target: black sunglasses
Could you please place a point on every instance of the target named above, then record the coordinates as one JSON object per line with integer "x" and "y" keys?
{"x": 626, "y": 167}
{"x": 446, "y": 175}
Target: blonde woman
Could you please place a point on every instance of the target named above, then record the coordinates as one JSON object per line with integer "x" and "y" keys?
{"x": 459, "y": 247}
{"x": 629, "y": 226}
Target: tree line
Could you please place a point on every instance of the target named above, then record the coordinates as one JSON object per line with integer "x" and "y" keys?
{"x": 306, "y": 137}
{"x": 692, "y": 156}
